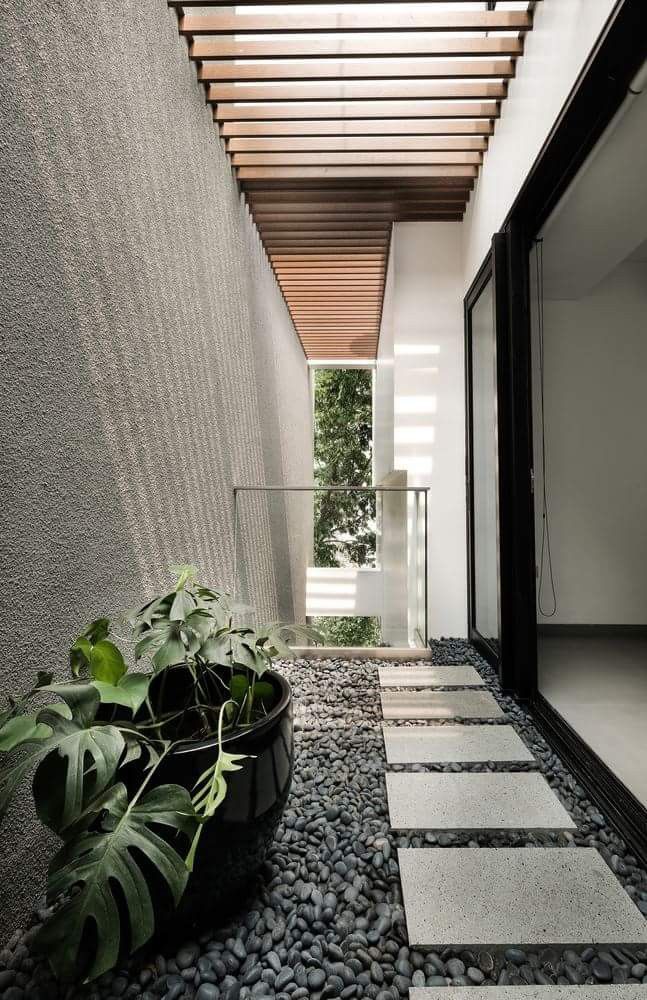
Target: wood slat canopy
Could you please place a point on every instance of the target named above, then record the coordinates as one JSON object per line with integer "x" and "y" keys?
{"x": 342, "y": 118}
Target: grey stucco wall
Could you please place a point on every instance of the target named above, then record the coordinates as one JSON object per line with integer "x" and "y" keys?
{"x": 148, "y": 361}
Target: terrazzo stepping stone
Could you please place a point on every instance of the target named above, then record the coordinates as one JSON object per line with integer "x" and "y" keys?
{"x": 613, "y": 992}
{"x": 439, "y": 705}
{"x": 422, "y": 675}
{"x": 484, "y": 801}
{"x": 492, "y": 896}
{"x": 453, "y": 744}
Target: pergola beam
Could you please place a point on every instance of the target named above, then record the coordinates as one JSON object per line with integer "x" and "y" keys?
{"x": 354, "y": 69}
{"x": 314, "y": 47}
{"x": 353, "y": 90}
{"x": 260, "y": 173}
{"x": 378, "y": 18}
{"x": 343, "y": 144}
{"x": 351, "y": 159}
{"x": 369, "y": 109}
{"x": 349, "y": 128}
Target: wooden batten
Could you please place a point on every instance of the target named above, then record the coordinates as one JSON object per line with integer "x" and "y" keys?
{"x": 371, "y": 70}
{"x": 376, "y": 18}
{"x": 341, "y": 122}
{"x": 236, "y": 111}
{"x": 307, "y": 46}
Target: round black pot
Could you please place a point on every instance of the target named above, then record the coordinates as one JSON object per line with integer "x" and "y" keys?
{"x": 234, "y": 843}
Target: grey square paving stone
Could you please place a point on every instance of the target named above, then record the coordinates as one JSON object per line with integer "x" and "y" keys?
{"x": 491, "y": 896}
{"x": 453, "y": 744}
{"x": 439, "y": 705}
{"x": 421, "y": 675}
{"x": 484, "y": 801}
{"x": 625, "y": 991}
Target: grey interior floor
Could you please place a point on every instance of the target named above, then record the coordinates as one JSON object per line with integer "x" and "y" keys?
{"x": 599, "y": 686}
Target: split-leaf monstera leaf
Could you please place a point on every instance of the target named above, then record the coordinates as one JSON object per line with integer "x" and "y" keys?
{"x": 94, "y": 764}
{"x": 83, "y": 754}
{"x": 99, "y": 860}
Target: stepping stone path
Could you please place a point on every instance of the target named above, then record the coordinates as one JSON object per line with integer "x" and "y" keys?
{"x": 491, "y": 896}
{"x": 453, "y": 744}
{"x": 423, "y": 675}
{"x": 615, "y": 992}
{"x": 468, "y": 897}
{"x": 439, "y": 705}
{"x": 522, "y": 801}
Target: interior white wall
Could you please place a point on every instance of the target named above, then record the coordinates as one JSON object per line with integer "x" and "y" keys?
{"x": 595, "y": 352}
{"x": 428, "y": 402}
{"x": 602, "y": 217}
{"x": 556, "y": 51}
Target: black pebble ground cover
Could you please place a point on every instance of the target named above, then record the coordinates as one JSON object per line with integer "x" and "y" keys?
{"x": 325, "y": 917}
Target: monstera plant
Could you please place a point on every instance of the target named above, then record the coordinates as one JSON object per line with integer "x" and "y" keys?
{"x": 96, "y": 745}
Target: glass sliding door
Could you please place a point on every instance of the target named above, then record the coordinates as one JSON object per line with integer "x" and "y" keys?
{"x": 484, "y": 480}
{"x": 486, "y": 332}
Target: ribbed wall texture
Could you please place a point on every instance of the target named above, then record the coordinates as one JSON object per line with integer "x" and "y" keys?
{"x": 149, "y": 363}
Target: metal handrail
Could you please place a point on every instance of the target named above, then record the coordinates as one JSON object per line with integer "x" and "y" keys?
{"x": 334, "y": 489}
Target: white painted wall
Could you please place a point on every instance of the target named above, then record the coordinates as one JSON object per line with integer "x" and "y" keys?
{"x": 344, "y": 591}
{"x": 556, "y": 51}
{"x": 428, "y": 420}
{"x": 383, "y": 387}
{"x": 596, "y": 413}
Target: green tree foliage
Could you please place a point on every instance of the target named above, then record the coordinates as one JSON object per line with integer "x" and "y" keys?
{"x": 351, "y": 631}
{"x": 344, "y": 533}
{"x": 344, "y": 522}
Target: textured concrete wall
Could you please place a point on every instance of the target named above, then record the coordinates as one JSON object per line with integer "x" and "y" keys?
{"x": 148, "y": 361}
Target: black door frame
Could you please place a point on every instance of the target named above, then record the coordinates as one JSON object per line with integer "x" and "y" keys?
{"x": 598, "y": 94}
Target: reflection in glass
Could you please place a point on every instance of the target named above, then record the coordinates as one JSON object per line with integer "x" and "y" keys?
{"x": 484, "y": 471}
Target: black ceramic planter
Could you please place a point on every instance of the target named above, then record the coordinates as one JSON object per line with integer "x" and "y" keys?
{"x": 234, "y": 843}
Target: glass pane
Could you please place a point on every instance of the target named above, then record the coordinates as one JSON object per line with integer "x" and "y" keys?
{"x": 484, "y": 471}
{"x": 277, "y": 575}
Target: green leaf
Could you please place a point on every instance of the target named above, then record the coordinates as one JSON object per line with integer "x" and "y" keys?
{"x": 130, "y": 692}
{"x": 80, "y": 653}
{"x": 182, "y": 606}
{"x": 112, "y": 694}
{"x": 84, "y": 757}
{"x": 184, "y": 573}
{"x": 216, "y": 649}
{"x": 239, "y": 686}
{"x": 278, "y": 635}
{"x": 106, "y": 662}
{"x": 171, "y": 651}
{"x": 265, "y": 694}
{"x": 163, "y": 643}
{"x": 136, "y": 686}
{"x": 202, "y": 623}
{"x": 279, "y": 648}
{"x": 97, "y": 630}
{"x": 104, "y": 862}
{"x": 247, "y": 655}
{"x": 146, "y": 616}
{"x": 81, "y": 698}
{"x": 210, "y": 790}
{"x": 79, "y": 763}
{"x": 21, "y": 729}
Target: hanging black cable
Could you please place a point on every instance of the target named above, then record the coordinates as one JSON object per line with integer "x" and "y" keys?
{"x": 546, "y": 558}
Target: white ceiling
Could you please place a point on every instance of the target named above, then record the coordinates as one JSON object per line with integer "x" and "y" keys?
{"x": 602, "y": 218}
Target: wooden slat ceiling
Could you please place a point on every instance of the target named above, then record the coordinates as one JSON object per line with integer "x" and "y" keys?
{"x": 340, "y": 119}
